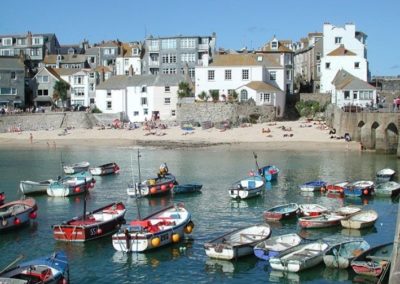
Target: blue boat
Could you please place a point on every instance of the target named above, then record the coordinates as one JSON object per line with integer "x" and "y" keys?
{"x": 315, "y": 185}
{"x": 270, "y": 172}
{"x": 360, "y": 188}
{"x": 276, "y": 246}
{"x": 187, "y": 188}
{"x": 51, "y": 269}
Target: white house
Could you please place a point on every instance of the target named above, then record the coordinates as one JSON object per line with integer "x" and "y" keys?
{"x": 130, "y": 57}
{"x": 350, "y": 90}
{"x": 140, "y": 97}
{"x": 250, "y": 75}
{"x": 343, "y": 48}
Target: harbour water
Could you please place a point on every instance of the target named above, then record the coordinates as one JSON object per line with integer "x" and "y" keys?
{"x": 213, "y": 212}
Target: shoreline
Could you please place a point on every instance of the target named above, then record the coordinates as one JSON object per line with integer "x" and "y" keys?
{"x": 282, "y": 135}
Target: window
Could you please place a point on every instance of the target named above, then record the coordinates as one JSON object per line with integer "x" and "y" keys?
{"x": 144, "y": 89}
{"x": 245, "y": 74}
{"x": 167, "y": 101}
{"x": 243, "y": 95}
{"x": 135, "y": 113}
{"x": 92, "y": 59}
{"x": 13, "y": 75}
{"x": 8, "y": 91}
{"x": 21, "y": 41}
{"x": 108, "y": 94}
{"x": 191, "y": 72}
{"x": 168, "y": 43}
{"x": 91, "y": 75}
{"x": 228, "y": 74}
{"x": 357, "y": 65}
{"x": 173, "y": 112}
{"x": 126, "y": 61}
{"x": 272, "y": 76}
{"x": 274, "y": 45}
{"x": 355, "y": 93}
{"x": 169, "y": 71}
{"x": 7, "y": 41}
{"x": 338, "y": 40}
{"x": 143, "y": 101}
{"x": 78, "y": 80}
{"x": 265, "y": 98}
{"x": 45, "y": 92}
{"x": 167, "y": 89}
{"x": 79, "y": 92}
{"x": 347, "y": 95}
{"x": 145, "y": 111}
{"x": 327, "y": 65}
{"x": 188, "y": 57}
{"x": 318, "y": 57}
{"x": 188, "y": 43}
{"x": 91, "y": 87}
{"x": 288, "y": 75}
{"x": 169, "y": 58}
{"x": 211, "y": 75}
{"x": 37, "y": 40}
{"x": 135, "y": 51}
{"x": 109, "y": 105}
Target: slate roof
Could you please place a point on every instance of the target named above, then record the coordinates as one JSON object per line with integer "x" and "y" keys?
{"x": 92, "y": 51}
{"x": 345, "y": 81}
{"x": 261, "y": 86}
{"x": 123, "y": 81}
{"x": 66, "y": 71}
{"x": 11, "y": 63}
{"x": 247, "y": 59}
{"x": 66, "y": 58}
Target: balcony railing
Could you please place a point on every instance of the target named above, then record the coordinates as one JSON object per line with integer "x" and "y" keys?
{"x": 203, "y": 46}
{"x": 154, "y": 63}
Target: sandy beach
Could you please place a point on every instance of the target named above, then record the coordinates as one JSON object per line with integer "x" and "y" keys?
{"x": 296, "y": 135}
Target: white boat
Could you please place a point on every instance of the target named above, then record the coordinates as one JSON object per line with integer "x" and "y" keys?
{"x": 71, "y": 185}
{"x": 275, "y": 246}
{"x": 341, "y": 255}
{"x": 385, "y": 175}
{"x": 76, "y": 168}
{"x": 312, "y": 209}
{"x": 348, "y": 210}
{"x": 161, "y": 228}
{"x": 312, "y": 186}
{"x": 389, "y": 188}
{"x": 106, "y": 169}
{"x": 360, "y": 220}
{"x": 34, "y": 187}
{"x": 237, "y": 243}
{"x": 248, "y": 187}
{"x": 300, "y": 258}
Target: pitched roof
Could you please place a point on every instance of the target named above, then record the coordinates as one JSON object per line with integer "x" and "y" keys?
{"x": 123, "y": 81}
{"x": 345, "y": 81}
{"x": 341, "y": 51}
{"x": 281, "y": 47}
{"x": 261, "y": 86}
{"x": 54, "y": 73}
{"x": 66, "y": 58}
{"x": 127, "y": 49}
{"x": 11, "y": 63}
{"x": 246, "y": 59}
{"x": 66, "y": 71}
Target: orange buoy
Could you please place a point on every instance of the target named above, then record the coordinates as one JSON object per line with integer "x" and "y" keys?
{"x": 365, "y": 191}
{"x": 175, "y": 238}
{"x": 153, "y": 189}
{"x": 155, "y": 242}
{"x": 77, "y": 189}
{"x": 99, "y": 231}
{"x": 164, "y": 187}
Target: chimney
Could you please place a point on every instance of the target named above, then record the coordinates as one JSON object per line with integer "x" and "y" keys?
{"x": 103, "y": 75}
{"x": 130, "y": 71}
{"x": 29, "y": 38}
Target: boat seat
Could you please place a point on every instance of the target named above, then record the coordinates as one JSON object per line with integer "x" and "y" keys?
{"x": 373, "y": 257}
{"x": 252, "y": 237}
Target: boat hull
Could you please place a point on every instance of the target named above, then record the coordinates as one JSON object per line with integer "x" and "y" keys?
{"x": 323, "y": 221}
{"x": 76, "y": 168}
{"x": 341, "y": 255}
{"x": 31, "y": 187}
{"x": 282, "y": 212}
{"x": 187, "y": 188}
{"x": 16, "y": 214}
{"x": 247, "y": 188}
{"x": 270, "y": 172}
{"x": 373, "y": 261}
{"x": 360, "y": 220}
{"x": 153, "y": 187}
{"x": 100, "y": 223}
{"x": 107, "y": 169}
{"x": 276, "y": 246}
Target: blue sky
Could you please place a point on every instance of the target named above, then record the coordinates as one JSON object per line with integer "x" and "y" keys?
{"x": 237, "y": 23}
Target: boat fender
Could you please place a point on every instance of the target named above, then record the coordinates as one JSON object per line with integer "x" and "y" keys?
{"x": 99, "y": 231}
{"x": 365, "y": 191}
{"x": 189, "y": 227}
{"x": 171, "y": 185}
{"x": 153, "y": 190}
{"x": 4, "y": 222}
{"x": 77, "y": 189}
{"x": 175, "y": 237}
{"x": 155, "y": 242}
{"x": 33, "y": 215}
{"x": 17, "y": 221}
{"x": 164, "y": 187}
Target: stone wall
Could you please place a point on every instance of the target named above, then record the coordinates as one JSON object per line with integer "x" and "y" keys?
{"x": 221, "y": 111}
{"x": 319, "y": 97}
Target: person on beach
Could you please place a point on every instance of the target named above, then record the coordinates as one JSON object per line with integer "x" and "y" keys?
{"x": 31, "y": 138}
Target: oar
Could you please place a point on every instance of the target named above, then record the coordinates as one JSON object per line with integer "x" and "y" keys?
{"x": 12, "y": 263}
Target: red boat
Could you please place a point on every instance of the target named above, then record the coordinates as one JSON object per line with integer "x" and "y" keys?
{"x": 321, "y": 221}
{"x": 99, "y": 223}
{"x": 336, "y": 188}
{"x": 17, "y": 213}
{"x": 280, "y": 212}
{"x": 2, "y": 198}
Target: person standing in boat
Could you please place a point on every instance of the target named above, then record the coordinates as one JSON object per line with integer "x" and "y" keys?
{"x": 163, "y": 170}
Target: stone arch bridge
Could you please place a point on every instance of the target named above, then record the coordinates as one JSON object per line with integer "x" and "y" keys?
{"x": 377, "y": 131}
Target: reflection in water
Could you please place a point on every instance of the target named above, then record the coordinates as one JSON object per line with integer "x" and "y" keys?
{"x": 316, "y": 234}
{"x": 358, "y": 233}
{"x": 336, "y": 274}
{"x": 276, "y": 276}
{"x": 160, "y": 201}
{"x": 229, "y": 267}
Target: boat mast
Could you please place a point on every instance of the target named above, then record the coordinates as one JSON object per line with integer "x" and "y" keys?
{"x": 137, "y": 185}
{"x": 84, "y": 201}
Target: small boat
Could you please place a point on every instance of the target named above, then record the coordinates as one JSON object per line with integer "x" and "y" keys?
{"x": 385, "y": 175}
{"x": 321, "y": 221}
{"x": 276, "y": 246}
{"x": 99, "y": 223}
{"x": 341, "y": 255}
{"x": 160, "y": 185}
{"x": 373, "y": 262}
{"x": 187, "y": 188}
{"x": 71, "y": 185}
{"x": 348, "y": 210}
{"x": 312, "y": 209}
{"x": 270, "y": 172}
{"x": 315, "y": 185}
{"x": 389, "y": 188}
{"x": 280, "y": 212}
{"x": 359, "y": 188}
{"x": 161, "y": 228}
{"x": 2, "y": 198}
{"x": 248, "y": 187}
{"x": 237, "y": 243}
{"x": 34, "y": 187}
{"x": 76, "y": 168}
{"x": 17, "y": 213}
{"x": 51, "y": 269}
{"x": 106, "y": 169}
{"x": 360, "y": 220}
{"x": 300, "y": 257}
{"x": 335, "y": 188}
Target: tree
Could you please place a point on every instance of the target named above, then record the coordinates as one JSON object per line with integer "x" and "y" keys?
{"x": 214, "y": 95}
{"x": 60, "y": 91}
{"x": 184, "y": 90}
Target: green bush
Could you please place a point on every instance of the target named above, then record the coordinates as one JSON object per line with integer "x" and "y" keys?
{"x": 308, "y": 108}
{"x": 96, "y": 110}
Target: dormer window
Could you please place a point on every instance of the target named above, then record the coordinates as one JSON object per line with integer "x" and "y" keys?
{"x": 338, "y": 40}
{"x": 135, "y": 51}
{"x": 59, "y": 57}
{"x": 259, "y": 58}
{"x": 274, "y": 44}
